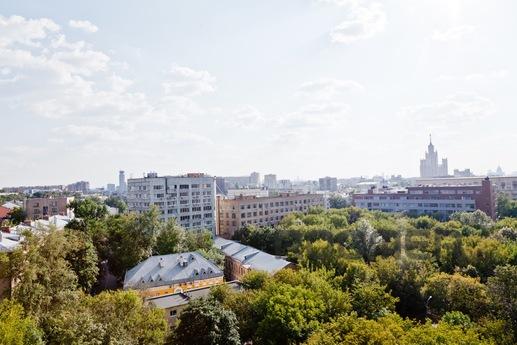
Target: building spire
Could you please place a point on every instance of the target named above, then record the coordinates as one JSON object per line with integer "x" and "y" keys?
{"x": 430, "y": 139}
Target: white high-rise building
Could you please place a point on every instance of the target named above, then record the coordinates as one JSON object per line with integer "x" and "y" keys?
{"x": 429, "y": 166}
{"x": 122, "y": 186}
{"x": 254, "y": 180}
{"x": 189, "y": 198}
{"x": 270, "y": 181}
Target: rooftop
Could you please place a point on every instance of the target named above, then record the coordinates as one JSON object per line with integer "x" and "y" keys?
{"x": 182, "y": 298}
{"x": 9, "y": 242}
{"x": 170, "y": 269}
{"x": 254, "y": 258}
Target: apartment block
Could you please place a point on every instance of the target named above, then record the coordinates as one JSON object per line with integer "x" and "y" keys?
{"x": 437, "y": 201}
{"x": 328, "y": 184}
{"x": 43, "y": 208}
{"x": 236, "y": 213}
{"x": 188, "y": 198}
{"x": 501, "y": 184}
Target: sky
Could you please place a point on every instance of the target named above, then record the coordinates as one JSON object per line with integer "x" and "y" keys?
{"x": 300, "y": 88}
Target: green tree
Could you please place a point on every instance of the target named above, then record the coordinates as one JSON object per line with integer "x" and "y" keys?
{"x": 290, "y": 314}
{"x": 255, "y": 280}
{"x": 16, "y": 328}
{"x": 206, "y": 322}
{"x": 502, "y": 289}
{"x": 82, "y": 258}
{"x": 337, "y": 201}
{"x": 17, "y": 215}
{"x": 43, "y": 275}
{"x": 506, "y": 207}
{"x": 170, "y": 239}
{"x": 89, "y": 208}
{"x": 128, "y": 240}
{"x": 371, "y": 300}
{"x": 117, "y": 202}
{"x": 117, "y": 317}
{"x": 365, "y": 240}
{"x": 456, "y": 293}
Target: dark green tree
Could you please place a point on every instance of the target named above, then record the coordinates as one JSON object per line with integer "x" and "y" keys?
{"x": 206, "y": 322}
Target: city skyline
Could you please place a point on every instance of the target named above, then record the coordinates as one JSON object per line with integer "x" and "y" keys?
{"x": 328, "y": 88}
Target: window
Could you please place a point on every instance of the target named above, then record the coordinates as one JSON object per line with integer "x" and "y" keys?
{"x": 173, "y": 313}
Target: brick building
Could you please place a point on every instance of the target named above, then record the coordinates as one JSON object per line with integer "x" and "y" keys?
{"x": 437, "y": 201}
{"x": 43, "y": 208}
{"x": 234, "y": 214}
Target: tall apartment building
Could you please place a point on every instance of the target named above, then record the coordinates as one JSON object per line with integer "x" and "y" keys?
{"x": 328, "y": 184}
{"x": 234, "y": 214}
{"x": 270, "y": 181}
{"x": 254, "y": 179}
{"x": 189, "y": 198}
{"x": 122, "y": 185}
{"x": 43, "y": 208}
{"x": 430, "y": 167}
{"x": 438, "y": 201}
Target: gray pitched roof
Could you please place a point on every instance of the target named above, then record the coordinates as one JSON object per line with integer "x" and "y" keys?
{"x": 256, "y": 259}
{"x": 170, "y": 269}
{"x": 182, "y": 298}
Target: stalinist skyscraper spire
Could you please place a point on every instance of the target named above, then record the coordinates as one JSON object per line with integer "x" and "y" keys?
{"x": 429, "y": 166}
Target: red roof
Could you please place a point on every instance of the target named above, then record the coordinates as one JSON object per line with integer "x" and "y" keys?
{"x": 4, "y": 212}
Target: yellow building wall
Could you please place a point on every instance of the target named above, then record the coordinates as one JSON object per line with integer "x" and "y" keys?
{"x": 168, "y": 289}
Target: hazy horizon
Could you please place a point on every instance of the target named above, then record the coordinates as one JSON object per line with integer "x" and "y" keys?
{"x": 298, "y": 88}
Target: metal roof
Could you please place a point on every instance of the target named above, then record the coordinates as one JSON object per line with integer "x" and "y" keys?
{"x": 170, "y": 269}
{"x": 256, "y": 259}
{"x": 182, "y": 298}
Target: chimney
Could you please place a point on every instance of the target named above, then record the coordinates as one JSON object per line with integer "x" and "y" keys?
{"x": 161, "y": 263}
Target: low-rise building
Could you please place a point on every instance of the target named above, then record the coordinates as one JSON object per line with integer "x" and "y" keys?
{"x": 240, "y": 259}
{"x": 258, "y": 192}
{"x": 502, "y": 184}
{"x": 42, "y": 208}
{"x": 173, "y": 304}
{"x": 165, "y": 274}
{"x": 437, "y": 201}
{"x": 236, "y": 213}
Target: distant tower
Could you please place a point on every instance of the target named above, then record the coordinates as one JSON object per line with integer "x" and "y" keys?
{"x": 429, "y": 166}
{"x": 122, "y": 186}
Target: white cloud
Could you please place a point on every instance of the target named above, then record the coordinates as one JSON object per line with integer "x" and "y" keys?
{"x": 341, "y": 3}
{"x": 453, "y": 34}
{"x": 16, "y": 29}
{"x": 183, "y": 80}
{"x": 83, "y": 25}
{"x": 454, "y": 109}
{"x": 328, "y": 88}
{"x": 362, "y": 22}
{"x": 474, "y": 77}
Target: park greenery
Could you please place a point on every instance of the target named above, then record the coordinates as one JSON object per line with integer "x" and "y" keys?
{"x": 362, "y": 278}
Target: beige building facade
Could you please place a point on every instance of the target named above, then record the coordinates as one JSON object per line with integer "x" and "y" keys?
{"x": 43, "y": 208}
{"x": 241, "y": 211}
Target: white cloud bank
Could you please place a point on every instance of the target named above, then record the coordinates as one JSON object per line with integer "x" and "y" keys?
{"x": 453, "y": 34}
{"x": 361, "y": 22}
{"x": 84, "y": 25}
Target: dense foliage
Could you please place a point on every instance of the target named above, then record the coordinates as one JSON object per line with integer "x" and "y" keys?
{"x": 394, "y": 271}
{"x": 362, "y": 278}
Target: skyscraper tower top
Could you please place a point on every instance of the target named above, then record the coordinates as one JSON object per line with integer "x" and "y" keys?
{"x": 429, "y": 166}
